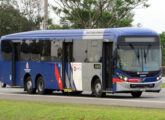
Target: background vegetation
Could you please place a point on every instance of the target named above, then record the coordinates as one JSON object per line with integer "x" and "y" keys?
{"x": 96, "y": 13}
{"x": 20, "y": 15}
{"x": 162, "y": 37}
{"x": 25, "y": 15}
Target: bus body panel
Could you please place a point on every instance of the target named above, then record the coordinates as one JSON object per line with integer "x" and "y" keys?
{"x": 146, "y": 86}
{"x": 89, "y": 72}
{"x": 76, "y": 75}
{"x": 6, "y": 72}
{"x": 47, "y": 70}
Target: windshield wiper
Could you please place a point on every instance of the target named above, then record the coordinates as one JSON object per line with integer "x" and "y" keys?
{"x": 145, "y": 56}
{"x": 138, "y": 55}
{"x": 146, "y": 52}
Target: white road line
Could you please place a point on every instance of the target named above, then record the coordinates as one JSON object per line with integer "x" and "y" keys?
{"x": 70, "y": 97}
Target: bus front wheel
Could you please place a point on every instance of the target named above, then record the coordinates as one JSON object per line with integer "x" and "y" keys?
{"x": 136, "y": 94}
{"x": 29, "y": 86}
{"x": 97, "y": 88}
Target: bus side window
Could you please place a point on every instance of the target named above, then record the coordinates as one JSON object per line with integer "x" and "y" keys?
{"x": 80, "y": 51}
{"x": 35, "y": 49}
{"x": 6, "y": 48}
{"x": 94, "y": 50}
{"x": 25, "y": 51}
{"x": 45, "y": 50}
{"x": 56, "y": 50}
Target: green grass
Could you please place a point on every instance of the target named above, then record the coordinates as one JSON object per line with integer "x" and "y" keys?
{"x": 24, "y": 110}
{"x": 163, "y": 85}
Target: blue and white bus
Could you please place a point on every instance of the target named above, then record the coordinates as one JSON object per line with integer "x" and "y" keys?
{"x": 114, "y": 60}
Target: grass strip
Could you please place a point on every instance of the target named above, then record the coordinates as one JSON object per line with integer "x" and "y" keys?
{"x": 163, "y": 85}
{"x": 27, "y": 110}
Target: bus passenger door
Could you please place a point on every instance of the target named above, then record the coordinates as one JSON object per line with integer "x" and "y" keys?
{"x": 66, "y": 65}
{"x": 107, "y": 66}
{"x": 15, "y": 64}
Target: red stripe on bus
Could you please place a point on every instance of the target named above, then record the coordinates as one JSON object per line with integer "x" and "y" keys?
{"x": 59, "y": 81}
{"x": 117, "y": 80}
{"x": 129, "y": 80}
{"x": 134, "y": 80}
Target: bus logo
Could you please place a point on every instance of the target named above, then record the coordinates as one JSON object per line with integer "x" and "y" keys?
{"x": 27, "y": 70}
{"x": 74, "y": 68}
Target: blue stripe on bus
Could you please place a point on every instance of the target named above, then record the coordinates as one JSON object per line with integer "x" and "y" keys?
{"x": 67, "y": 69}
{"x": 74, "y": 86}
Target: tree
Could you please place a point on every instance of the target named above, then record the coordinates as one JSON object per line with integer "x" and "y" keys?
{"x": 12, "y": 21}
{"x": 20, "y": 17}
{"x": 162, "y": 37}
{"x": 32, "y": 10}
{"x": 97, "y": 13}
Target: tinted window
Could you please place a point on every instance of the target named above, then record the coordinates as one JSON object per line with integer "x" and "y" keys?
{"x": 56, "y": 50}
{"x": 41, "y": 50}
{"x": 80, "y": 51}
{"x": 6, "y": 48}
{"x": 45, "y": 50}
{"x": 94, "y": 51}
{"x": 25, "y": 50}
{"x": 34, "y": 50}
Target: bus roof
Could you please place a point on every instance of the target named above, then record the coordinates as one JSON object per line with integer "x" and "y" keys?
{"x": 79, "y": 34}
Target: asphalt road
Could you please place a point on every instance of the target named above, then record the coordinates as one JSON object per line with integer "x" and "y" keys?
{"x": 148, "y": 100}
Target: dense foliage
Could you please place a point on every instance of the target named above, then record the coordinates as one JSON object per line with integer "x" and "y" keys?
{"x": 162, "y": 37}
{"x": 96, "y": 13}
{"x": 12, "y": 21}
{"x": 18, "y": 18}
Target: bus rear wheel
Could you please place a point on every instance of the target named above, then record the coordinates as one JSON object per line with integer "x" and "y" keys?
{"x": 97, "y": 88}
{"x": 40, "y": 85}
{"x": 3, "y": 85}
{"x": 136, "y": 94}
{"x": 29, "y": 86}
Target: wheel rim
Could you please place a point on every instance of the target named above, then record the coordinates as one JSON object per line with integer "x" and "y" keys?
{"x": 98, "y": 88}
{"x": 40, "y": 86}
{"x": 29, "y": 85}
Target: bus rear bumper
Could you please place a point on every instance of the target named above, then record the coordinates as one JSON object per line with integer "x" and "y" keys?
{"x": 146, "y": 87}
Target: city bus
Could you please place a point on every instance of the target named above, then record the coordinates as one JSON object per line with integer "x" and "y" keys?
{"x": 99, "y": 61}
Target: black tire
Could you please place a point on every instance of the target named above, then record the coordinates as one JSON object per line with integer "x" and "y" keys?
{"x": 97, "y": 89}
{"x": 3, "y": 85}
{"x": 29, "y": 86}
{"x": 40, "y": 85}
{"x": 136, "y": 94}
